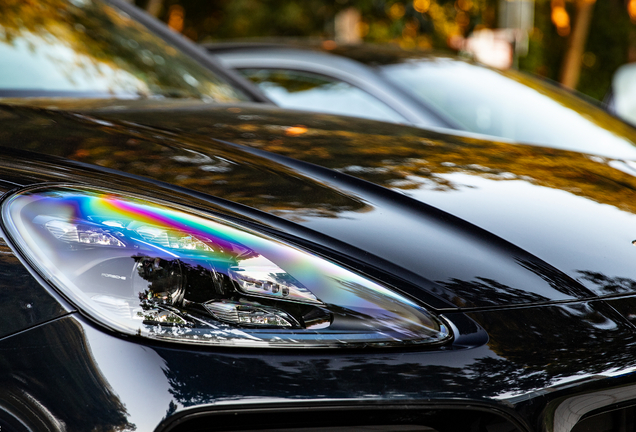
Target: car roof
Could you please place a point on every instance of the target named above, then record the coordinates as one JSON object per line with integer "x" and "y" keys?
{"x": 239, "y": 55}
{"x": 367, "y": 53}
{"x": 310, "y": 57}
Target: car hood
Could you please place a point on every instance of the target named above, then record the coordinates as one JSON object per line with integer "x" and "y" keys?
{"x": 477, "y": 224}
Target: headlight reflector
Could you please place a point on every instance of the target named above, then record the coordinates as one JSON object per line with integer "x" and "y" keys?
{"x": 170, "y": 273}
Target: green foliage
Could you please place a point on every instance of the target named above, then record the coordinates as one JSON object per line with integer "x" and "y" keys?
{"x": 607, "y": 47}
{"x": 399, "y": 21}
{"x": 546, "y": 48}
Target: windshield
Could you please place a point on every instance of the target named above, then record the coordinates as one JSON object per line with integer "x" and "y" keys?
{"x": 314, "y": 92}
{"x": 85, "y": 48}
{"x": 513, "y": 106}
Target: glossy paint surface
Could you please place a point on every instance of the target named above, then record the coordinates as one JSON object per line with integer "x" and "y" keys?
{"x": 128, "y": 384}
{"x": 513, "y": 197}
{"x": 24, "y": 303}
{"x": 113, "y": 55}
{"x": 532, "y": 364}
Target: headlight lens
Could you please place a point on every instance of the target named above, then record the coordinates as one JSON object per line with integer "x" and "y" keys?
{"x": 170, "y": 273}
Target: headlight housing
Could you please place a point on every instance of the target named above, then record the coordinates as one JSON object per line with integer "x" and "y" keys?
{"x": 171, "y": 273}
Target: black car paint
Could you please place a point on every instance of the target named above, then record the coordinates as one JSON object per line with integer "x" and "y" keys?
{"x": 422, "y": 164}
{"x": 469, "y": 266}
{"x": 514, "y": 355}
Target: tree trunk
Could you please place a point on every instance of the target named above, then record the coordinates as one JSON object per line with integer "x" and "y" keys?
{"x": 571, "y": 69}
{"x": 154, "y": 7}
{"x": 347, "y": 26}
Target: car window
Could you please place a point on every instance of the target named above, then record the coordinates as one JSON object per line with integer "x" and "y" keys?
{"x": 314, "y": 92}
{"x": 87, "y": 48}
{"x": 514, "y": 106}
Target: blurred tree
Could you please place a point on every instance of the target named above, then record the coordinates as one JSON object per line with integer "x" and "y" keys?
{"x": 601, "y": 44}
{"x": 571, "y": 68}
{"x": 606, "y": 47}
{"x": 424, "y": 23}
{"x": 153, "y": 7}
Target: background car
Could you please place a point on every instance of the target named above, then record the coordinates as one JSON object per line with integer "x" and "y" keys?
{"x": 105, "y": 50}
{"x": 430, "y": 90}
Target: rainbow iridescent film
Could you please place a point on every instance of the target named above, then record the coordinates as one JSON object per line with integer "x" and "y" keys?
{"x": 154, "y": 270}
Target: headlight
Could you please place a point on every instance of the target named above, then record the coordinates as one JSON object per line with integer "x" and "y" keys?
{"x": 170, "y": 273}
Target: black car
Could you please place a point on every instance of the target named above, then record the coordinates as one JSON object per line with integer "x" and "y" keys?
{"x": 160, "y": 273}
{"x": 432, "y": 90}
{"x": 195, "y": 265}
